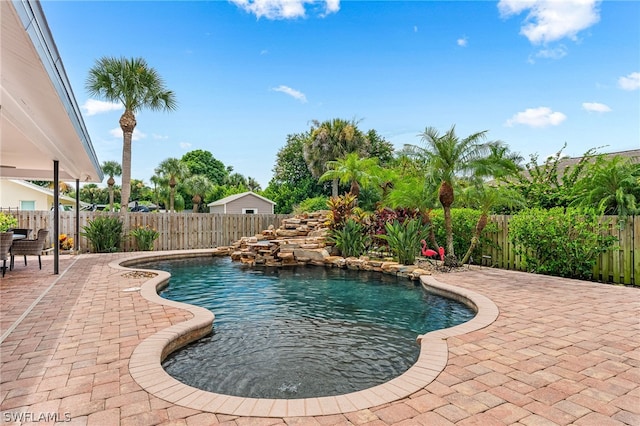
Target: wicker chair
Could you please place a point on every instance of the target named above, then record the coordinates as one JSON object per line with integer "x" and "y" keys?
{"x": 29, "y": 247}
{"x": 6, "y": 239}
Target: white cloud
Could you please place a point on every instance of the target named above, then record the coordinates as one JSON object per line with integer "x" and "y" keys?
{"x": 552, "y": 20}
{"x": 595, "y": 107}
{"x": 185, "y": 145}
{"x": 94, "y": 106}
{"x": 291, "y": 92}
{"x": 553, "y": 53}
{"x": 159, "y": 137}
{"x": 137, "y": 134}
{"x": 286, "y": 9}
{"x": 537, "y": 117}
{"x": 630, "y": 82}
{"x": 462, "y": 42}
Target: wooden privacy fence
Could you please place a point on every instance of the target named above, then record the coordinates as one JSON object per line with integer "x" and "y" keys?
{"x": 620, "y": 265}
{"x": 178, "y": 231}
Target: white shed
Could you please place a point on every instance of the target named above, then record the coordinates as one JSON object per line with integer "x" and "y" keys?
{"x": 244, "y": 203}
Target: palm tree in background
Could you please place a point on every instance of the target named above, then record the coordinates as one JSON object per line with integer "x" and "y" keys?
{"x": 157, "y": 180}
{"x": 172, "y": 170}
{"x": 330, "y": 141}
{"x": 446, "y": 157}
{"x": 197, "y": 186}
{"x": 253, "y": 184}
{"x": 613, "y": 185}
{"x": 111, "y": 169}
{"x": 352, "y": 170}
{"x": 136, "y": 86}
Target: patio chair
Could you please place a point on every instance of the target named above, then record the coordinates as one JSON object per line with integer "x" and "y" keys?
{"x": 30, "y": 247}
{"x": 6, "y": 239}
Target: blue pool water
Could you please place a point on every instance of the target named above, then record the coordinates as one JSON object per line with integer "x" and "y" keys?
{"x": 300, "y": 332}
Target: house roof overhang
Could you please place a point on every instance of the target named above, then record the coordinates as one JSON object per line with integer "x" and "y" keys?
{"x": 40, "y": 121}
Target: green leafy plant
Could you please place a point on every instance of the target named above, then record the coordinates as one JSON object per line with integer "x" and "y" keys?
{"x": 7, "y": 222}
{"x": 560, "y": 242}
{"x": 311, "y": 205}
{"x": 145, "y": 236}
{"x": 351, "y": 240}
{"x": 404, "y": 239}
{"x": 104, "y": 233}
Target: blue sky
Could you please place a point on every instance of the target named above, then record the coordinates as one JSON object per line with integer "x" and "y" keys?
{"x": 246, "y": 73}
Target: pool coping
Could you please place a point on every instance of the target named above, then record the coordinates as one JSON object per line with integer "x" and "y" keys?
{"x": 146, "y": 369}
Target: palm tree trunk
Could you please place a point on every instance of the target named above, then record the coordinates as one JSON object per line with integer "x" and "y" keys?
{"x": 482, "y": 222}
{"x": 110, "y": 198}
{"x": 445, "y": 194}
{"x": 334, "y": 187}
{"x": 451, "y": 256}
{"x": 127, "y": 124}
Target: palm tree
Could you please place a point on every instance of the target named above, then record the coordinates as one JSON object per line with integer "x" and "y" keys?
{"x": 252, "y": 184}
{"x": 352, "y": 170}
{"x": 613, "y": 185}
{"x": 447, "y": 156}
{"x": 484, "y": 197}
{"x": 197, "y": 186}
{"x": 157, "y": 180}
{"x": 329, "y": 141}
{"x": 111, "y": 169}
{"x": 172, "y": 169}
{"x": 136, "y": 86}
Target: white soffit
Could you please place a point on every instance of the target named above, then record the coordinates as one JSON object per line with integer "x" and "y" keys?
{"x": 39, "y": 117}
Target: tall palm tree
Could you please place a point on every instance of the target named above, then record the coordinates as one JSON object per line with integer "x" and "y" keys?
{"x": 111, "y": 169}
{"x": 448, "y": 156}
{"x": 197, "y": 186}
{"x": 352, "y": 170}
{"x": 329, "y": 141}
{"x": 172, "y": 170}
{"x": 136, "y": 86}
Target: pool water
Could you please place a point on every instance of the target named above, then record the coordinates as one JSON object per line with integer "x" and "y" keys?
{"x": 300, "y": 332}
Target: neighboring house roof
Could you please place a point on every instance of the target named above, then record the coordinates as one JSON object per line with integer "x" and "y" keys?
{"x": 234, "y": 197}
{"x": 46, "y": 191}
{"x": 565, "y": 163}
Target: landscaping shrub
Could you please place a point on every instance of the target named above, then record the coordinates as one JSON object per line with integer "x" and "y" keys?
{"x": 404, "y": 239}
{"x": 559, "y": 242}
{"x": 311, "y": 205}
{"x": 104, "y": 233}
{"x": 351, "y": 240}
{"x": 145, "y": 236}
{"x": 7, "y": 221}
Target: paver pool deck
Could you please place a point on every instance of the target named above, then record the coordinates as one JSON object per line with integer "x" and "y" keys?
{"x": 559, "y": 352}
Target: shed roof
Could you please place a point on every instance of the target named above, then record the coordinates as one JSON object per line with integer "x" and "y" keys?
{"x": 227, "y": 200}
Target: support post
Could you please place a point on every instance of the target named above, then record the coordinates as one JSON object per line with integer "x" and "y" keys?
{"x": 56, "y": 217}
{"x": 76, "y": 237}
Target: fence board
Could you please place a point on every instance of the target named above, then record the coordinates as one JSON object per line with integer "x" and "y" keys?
{"x": 178, "y": 231}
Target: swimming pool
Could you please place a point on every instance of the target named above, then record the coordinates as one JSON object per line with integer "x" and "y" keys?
{"x": 300, "y": 332}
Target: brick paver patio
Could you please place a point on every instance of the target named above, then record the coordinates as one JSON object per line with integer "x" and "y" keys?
{"x": 560, "y": 352}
